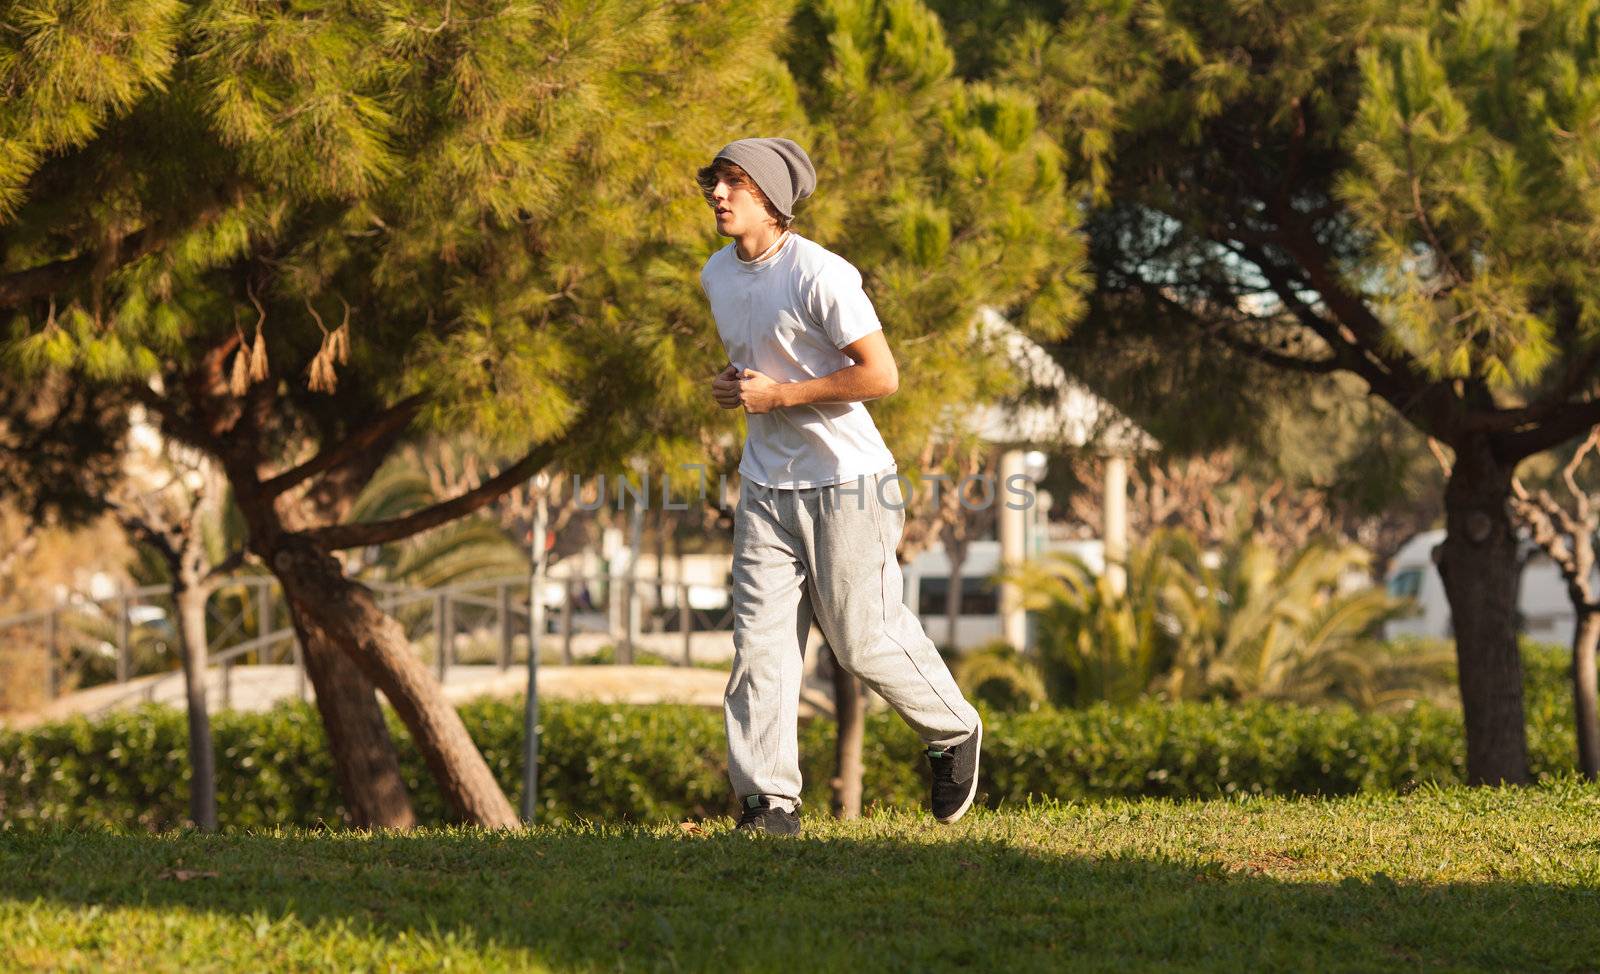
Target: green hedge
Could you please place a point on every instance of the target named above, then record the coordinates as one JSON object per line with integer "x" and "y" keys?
{"x": 659, "y": 763}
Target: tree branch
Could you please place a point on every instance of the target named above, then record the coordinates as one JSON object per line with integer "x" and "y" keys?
{"x": 390, "y": 421}
{"x": 1366, "y": 331}
{"x": 1428, "y": 404}
{"x": 147, "y": 531}
{"x": 1583, "y": 366}
{"x": 1346, "y": 354}
{"x": 1219, "y": 332}
{"x": 1540, "y": 519}
{"x": 21, "y": 286}
{"x": 1277, "y": 360}
{"x": 341, "y": 536}
{"x": 1570, "y": 474}
{"x": 1351, "y": 354}
{"x": 1446, "y": 464}
{"x": 25, "y": 285}
{"x": 172, "y": 424}
{"x": 1562, "y": 426}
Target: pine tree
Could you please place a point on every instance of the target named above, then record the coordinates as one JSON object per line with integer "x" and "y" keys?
{"x": 294, "y": 233}
{"x": 1401, "y": 192}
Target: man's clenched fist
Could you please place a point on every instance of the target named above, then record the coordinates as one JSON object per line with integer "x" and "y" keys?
{"x": 725, "y": 388}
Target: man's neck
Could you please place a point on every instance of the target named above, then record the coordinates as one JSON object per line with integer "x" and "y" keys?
{"x": 757, "y": 242}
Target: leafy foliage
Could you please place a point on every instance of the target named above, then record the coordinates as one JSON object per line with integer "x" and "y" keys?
{"x": 663, "y": 763}
{"x": 1095, "y": 643}
{"x": 1401, "y": 192}
{"x": 998, "y": 676}
{"x": 1240, "y": 622}
{"x": 60, "y": 447}
{"x": 1259, "y": 625}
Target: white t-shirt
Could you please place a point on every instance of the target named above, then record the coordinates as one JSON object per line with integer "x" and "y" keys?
{"x": 788, "y": 315}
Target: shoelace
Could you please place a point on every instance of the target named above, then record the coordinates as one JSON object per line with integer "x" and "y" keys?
{"x": 943, "y": 763}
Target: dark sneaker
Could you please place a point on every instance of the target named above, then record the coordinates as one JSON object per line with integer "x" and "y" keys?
{"x": 760, "y": 815}
{"x": 955, "y": 776}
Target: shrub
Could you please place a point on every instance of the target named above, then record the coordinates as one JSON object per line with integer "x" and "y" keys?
{"x": 662, "y": 763}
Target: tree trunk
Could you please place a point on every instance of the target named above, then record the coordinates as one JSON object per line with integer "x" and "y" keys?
{"x": 1478, "y": 564}
{"x": 1584, "y": 641}
{"x": 850, "y": 711}
{"x": 189, "y": 596}
{"x": 365, "y": 761}
{"x": 347, "y": 612}
{"x": 957, "y": 554}
{"x": 364, "y": 757}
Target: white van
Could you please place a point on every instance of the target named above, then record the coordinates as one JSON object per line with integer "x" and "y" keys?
{"x": 1545, "y": 612}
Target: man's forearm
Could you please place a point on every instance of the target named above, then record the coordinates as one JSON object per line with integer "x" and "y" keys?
{"x": 854, "y": 383}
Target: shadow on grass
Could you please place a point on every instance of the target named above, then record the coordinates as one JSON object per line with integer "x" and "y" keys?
{"x": 723, "y": 901}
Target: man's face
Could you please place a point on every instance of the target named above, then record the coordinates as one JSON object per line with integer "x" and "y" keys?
{"x": 737, "y": 209}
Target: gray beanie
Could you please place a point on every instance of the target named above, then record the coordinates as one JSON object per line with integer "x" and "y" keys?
{"x": 779, "y": 166}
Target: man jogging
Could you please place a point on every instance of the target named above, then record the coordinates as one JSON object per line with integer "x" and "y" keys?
{"x": 820, "y": 507}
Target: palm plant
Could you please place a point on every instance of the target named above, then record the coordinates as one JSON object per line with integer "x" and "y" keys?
{"x": 1256, "y": 626}
{"x": 1095, "y": 643}
{"x": 1000, "y": 676}
{"x": 1233, "y": 623}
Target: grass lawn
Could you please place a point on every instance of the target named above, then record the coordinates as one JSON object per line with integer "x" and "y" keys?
{"x": 1453, "y": 880}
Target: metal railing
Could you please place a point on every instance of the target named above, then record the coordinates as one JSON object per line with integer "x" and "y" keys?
{"x": 248, "y": 622}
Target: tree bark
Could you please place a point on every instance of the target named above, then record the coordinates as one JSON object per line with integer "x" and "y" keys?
{"x": 280, "y": 530}
{"x": 1584, "y": 641}
{"x": 850, "y": 711}
{"x": 189, "y": 595}
{"x": 346, "y": 610}
{"x": 365, "y": 760}
{"x": 1478, "y": 564}
{"x": 957, "y": 553}
{"x": 364, "y": 757}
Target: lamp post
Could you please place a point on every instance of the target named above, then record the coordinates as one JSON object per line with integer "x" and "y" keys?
{"x": 530, "y": 721}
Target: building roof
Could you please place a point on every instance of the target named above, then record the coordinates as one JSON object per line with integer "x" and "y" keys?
{"x": 1054, "y": 409}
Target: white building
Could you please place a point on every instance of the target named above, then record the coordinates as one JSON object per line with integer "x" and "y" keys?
{"x": 1056, "y": 412}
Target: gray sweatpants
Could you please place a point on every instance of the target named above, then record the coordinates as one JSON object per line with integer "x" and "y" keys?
{"x": 827, "y": 553}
